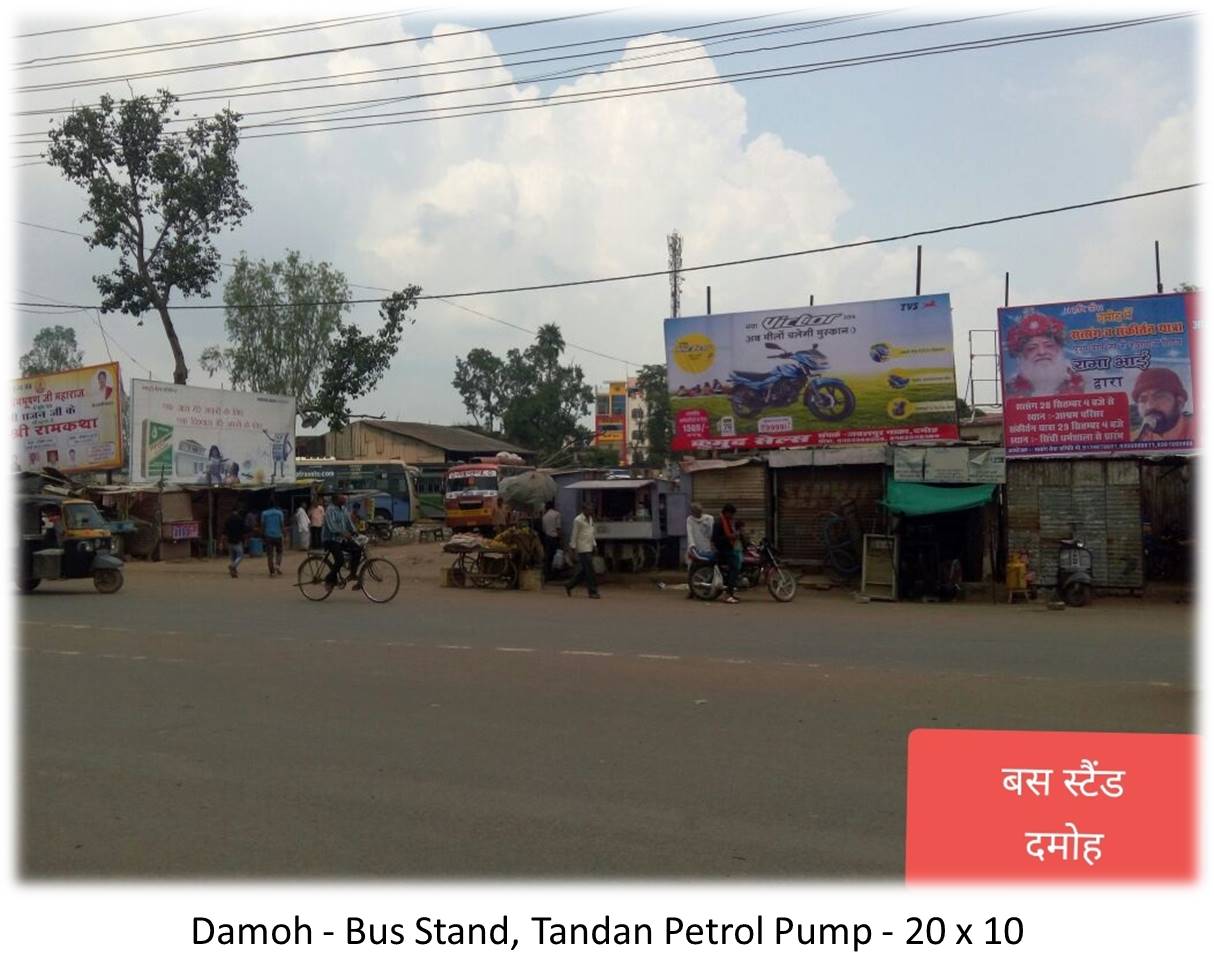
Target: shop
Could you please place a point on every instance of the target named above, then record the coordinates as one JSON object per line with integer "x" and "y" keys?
{"x": 713, "y": 483}
{"x": 1099, "y": 501}
{"x": 639, "y": 524}
{"x": 812, "y": 488}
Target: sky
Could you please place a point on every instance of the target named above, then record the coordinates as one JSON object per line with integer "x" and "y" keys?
{"x": 560, "y": 192}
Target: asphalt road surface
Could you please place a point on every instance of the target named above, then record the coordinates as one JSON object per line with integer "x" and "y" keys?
{"x": 196, "y": 726}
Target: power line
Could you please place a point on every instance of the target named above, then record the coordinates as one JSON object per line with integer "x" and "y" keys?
{"x": 238, "y": 91}
{"x": 316, "y": 52}
{"x": 112, "y": 23}
{"x": 108, "y": 54}
{"x": 922, "y": 233}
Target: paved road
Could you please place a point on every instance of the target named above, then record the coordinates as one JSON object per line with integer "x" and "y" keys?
{"x": 196, "y": 726}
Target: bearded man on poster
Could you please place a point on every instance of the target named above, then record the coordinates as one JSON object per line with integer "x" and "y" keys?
{"x": 1042, "y": 369}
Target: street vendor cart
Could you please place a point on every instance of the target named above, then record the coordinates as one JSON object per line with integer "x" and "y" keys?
{"x": 638, "y": 523}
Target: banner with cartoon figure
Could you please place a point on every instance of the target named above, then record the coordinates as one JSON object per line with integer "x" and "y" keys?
{"x": 876, "y": 371}
{"x": 70, "y": 420}
{"x": 1111, "y": 375}
{"x": 200, "y": 435}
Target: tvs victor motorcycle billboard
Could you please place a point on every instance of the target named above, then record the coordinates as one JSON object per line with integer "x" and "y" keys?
{"x": 876, "y": 371}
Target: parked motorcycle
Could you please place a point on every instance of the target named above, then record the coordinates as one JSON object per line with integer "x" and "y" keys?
{"x": 829, "y": 399}
{"x": 1074, "y": 572}
{"x": 760, "y": 566}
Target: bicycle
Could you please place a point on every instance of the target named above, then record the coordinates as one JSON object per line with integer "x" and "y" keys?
{"x": 376, "y": 578}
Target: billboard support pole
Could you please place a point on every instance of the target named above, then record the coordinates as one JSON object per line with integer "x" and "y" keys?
{"x": 709, "y": 288}
{"x": 918, "y": 267}
{"x": 1007, "y": 282}
{"x": 811, "y": 299}
{"x": 1158, "y": 277}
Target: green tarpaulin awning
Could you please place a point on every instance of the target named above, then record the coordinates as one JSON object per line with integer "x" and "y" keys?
{"x": 919, "y": 499}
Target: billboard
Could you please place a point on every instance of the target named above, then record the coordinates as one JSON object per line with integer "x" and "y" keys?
{"x": 876, "y": 371}
{"x": 1110, "y": 375}
{"x": 70, "y": 420}
{"x": 200, "y": 435}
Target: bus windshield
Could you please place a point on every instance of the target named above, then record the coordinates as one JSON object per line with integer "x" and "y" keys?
{"x": 467, "y": 481}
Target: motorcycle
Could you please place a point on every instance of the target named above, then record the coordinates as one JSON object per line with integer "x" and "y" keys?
{"x": 828, "y": 399}
{"x": 760, "y": 566}
{"x": 1074, "y": 572}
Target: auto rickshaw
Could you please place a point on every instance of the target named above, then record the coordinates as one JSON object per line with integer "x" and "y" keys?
{"x": 65, "y": 537}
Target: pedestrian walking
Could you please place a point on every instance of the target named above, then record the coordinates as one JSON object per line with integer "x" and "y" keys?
{"x": 234, "y": 530}
{"x": 726, "y": 544}
{"x": 316, "y": 523}
{"x": 583, "y": 543}
{"x": 550, "y": 529}
{"x": 302, "y": 525}
{"x": 273, "y": 524}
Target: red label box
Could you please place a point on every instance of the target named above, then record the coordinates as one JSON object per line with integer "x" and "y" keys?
{"x": 994, "y": 806}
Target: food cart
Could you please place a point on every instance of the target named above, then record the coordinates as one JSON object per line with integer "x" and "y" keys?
{"x": 639, "y": 523}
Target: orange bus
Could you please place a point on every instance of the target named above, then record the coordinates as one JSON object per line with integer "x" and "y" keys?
{"x": 470, "y": 500}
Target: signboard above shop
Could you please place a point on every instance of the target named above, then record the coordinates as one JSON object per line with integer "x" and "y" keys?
{"x": 848, "y": 373}
{"x": 949, "y": 464}
{"x": 70, "y": 420}
{"x": 199, "y": 435}
{"x": 1099, "y": 377}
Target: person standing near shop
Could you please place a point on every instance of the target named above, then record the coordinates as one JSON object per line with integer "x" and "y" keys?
{"x": 550, "y": 528}
{"x": 302, "y": 525}
{"x": 316, "y": 523}
{"x": 699, "y": 540}
{"x": 725, "y": 543}
{"x": 234, "y": 531}
{"x": 583, "y": 543}
{"x": 273, "y": 524}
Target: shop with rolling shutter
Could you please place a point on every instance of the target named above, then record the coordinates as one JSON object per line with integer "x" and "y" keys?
{"x": 744, "y": 483}
{"x": 1098, "y": 500}
{"x": 808, "y": 485}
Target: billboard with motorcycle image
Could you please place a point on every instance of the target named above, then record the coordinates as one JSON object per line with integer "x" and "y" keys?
{"x": 875, "y": 371}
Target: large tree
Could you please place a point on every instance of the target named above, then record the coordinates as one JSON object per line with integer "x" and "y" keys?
{"x": 659, "y": 414}
{"x": 539, "y": 400}
{"x": 54, "y": 349}
{"x": 156, "y": 195}
{"x": 286, "y": 337}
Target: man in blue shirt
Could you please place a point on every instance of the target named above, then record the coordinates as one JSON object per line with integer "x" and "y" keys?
{"x": 338, "y": 536}
{"x": 272, "y": 522}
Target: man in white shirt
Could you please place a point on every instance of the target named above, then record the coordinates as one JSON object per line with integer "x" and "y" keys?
{"x": 699, "y": 540}
{"x": 583, "y": 543}
{"x": 550, "y": 527}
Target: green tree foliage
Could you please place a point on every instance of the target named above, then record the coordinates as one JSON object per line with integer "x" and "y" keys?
{"x": 659, "y": 413}
{"x": 155, "y": 197}
{"x": 478, "y": 379}
{"x": 54, "y": 349}
{"x": 1186, "y": 287}
{"x": 539, "y": 400}
{"x": 286, "y": 337}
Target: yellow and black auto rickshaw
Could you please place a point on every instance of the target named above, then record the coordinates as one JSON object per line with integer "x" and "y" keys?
{"x": 65, "y": 537}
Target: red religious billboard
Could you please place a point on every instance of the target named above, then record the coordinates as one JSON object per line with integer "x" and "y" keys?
{"x": 1100, "y": 376}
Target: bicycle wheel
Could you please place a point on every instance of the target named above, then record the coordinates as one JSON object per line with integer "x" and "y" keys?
{"x": 312, "y": 579}
{"x": 379, "y": 580}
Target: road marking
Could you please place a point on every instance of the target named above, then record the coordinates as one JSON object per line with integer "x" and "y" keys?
{"x": 793, "y": 663}
{"x": 657, "y": 656}
{"x": 67, "y": 653}
{"x": 586, "y": 653}
{"x": 453, "y": 646}
{"x": 139, "y": 657}
{"x": 1159, "y": 683}
{"x": 116, "y": 629}
{"x": 516, "y": 649}
{"x": 729, "y": 660}
{"x": 109, "y": 656}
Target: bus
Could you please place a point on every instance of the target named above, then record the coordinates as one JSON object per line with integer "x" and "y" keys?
{"x": 471, "y": 498}
{"x": 393, "y": 482}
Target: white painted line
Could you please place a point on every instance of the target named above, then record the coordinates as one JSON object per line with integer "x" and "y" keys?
{"x": 139, "y": 657}
{"x": 516, "y": 649}
{"x": 587, "y": 653}
{"x": 67, "y": 653}
{"x": 657, "y": 656}
{"x": 172, "y": 660}
{"x": 77, "y": 626}
{"x": 110, "y": 656}
{"x": 1159, "y": 684}
{"x": 792, "y": 663}
{"x": 453, "y": 646}
{"x": 116, "y": 629}
{"x": 729, "y": 660}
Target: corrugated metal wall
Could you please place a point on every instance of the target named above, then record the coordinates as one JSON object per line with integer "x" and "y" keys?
{"x": 1099, "y": 500}
{"x": 743, "y": 486}
{"x": 807, "y": 495}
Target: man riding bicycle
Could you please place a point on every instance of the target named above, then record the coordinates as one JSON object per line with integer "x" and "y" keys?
{"x": 338, "y": 535}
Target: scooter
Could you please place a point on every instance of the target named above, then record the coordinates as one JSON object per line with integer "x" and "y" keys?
{"x": 1074, "y": 572}
{"x": 759, "y": 566}
{"x": 829, "y": 399}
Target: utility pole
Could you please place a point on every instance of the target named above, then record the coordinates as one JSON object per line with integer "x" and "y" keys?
{"x": 674, "y": 249}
